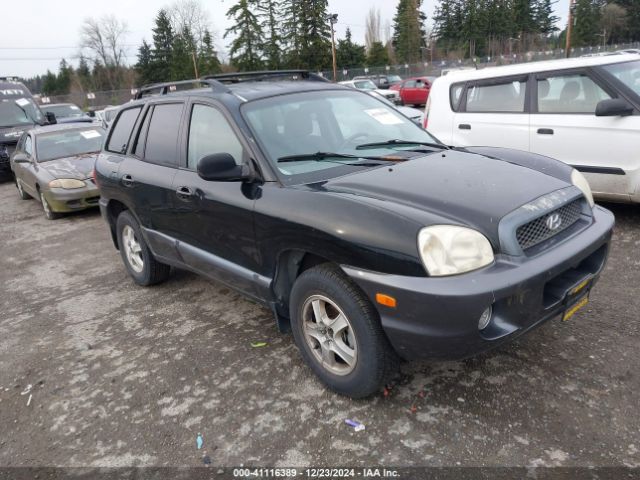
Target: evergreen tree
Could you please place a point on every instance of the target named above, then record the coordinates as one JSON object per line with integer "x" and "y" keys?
{"x": 378, "y": 55}
{"x": 349, "y": 54}
{"x": 162, "y": 52}
{"x": 306, "y": 34}
{"x": 291, "y": 32}
{"x": 632, "y": 31}
{"x": 270, "y": 23}
{"x": 50, "y": 84}
{"x": 63, "y": 82}
{"x": 84, "y": 73}
{"x": 587, "y": 23}
{"x": 208, "y": 62}
{"x": 182, "y": 53}
{"x": 409, "y": 31}
{"x": 544, "y": 18}
{"x": 144, "y": 65}
{"x": 246, "y": 49}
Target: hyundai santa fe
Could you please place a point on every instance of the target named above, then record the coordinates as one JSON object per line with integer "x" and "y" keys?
{"x": 364, "y": 235}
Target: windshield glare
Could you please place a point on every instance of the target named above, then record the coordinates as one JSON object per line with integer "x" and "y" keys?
{"x": 365, "y": 85}
{"x": 68, "y": 143}
{"x": 65, "y": 111}
{"x": 628, "y": 73}
{"x": 327, "y": 121}
{"x": 19, "y": 111}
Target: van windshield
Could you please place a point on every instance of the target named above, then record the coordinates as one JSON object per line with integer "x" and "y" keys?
{"x": 628, "y": 73}
{"x": 15, "y": 112}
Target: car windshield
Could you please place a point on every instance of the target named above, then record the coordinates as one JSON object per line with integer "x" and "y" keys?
{"x": 628, "y": 73}
{"x": 329, "y": 121}
{"x": 365, "y": 85}
{"x": 68, "y": 143}
{"x": 65, "y": 111}
{"x": 19, "y": 111}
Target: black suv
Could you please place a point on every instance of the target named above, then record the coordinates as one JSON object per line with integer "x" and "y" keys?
{"x": 363, "y": 234}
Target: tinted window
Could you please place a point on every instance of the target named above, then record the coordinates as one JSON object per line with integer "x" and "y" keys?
{"x": 455, "y": 94}
{"x": 162, "y": 137}
{"x": 121, "y": 131}
{"x": 502, "y": 97}
{"x": 210, "y": 133}
{"x": 569, "y": 94}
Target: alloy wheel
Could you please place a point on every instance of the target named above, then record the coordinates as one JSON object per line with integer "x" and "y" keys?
{"x": 132, "y": 249}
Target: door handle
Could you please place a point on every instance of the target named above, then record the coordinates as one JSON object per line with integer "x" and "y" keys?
{"x": 127, "y": 180}
{"x": 184, "y": 193}
{"x": 545, "y": 131}
{"x": 464, "y": 126}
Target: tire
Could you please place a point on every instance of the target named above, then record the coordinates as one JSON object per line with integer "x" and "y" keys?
{"x": 138, "y": 259}
{"x": 374, "y": 362}
{"x": 23, "y": 195}
{"x": 48, "y": 213}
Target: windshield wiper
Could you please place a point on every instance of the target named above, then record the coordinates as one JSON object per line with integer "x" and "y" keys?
{"x": 396, "y": 142}
{"x": 328, "y": 156}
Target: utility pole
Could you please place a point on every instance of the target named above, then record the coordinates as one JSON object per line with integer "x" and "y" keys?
{"x": 567, "y": 52}
{"x": 195, "y": 64}
{"x": 333, "y": 19}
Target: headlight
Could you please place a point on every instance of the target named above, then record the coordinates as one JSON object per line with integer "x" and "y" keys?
{"x": 450, "y": 250}
{"x": 579, "y": 181}
{"x": 66, "y": 183}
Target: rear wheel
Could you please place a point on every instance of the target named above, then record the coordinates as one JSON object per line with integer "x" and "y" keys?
{"x": 136, "y": 255}
{"x": 338, "y": 332}
{"x": 23, "y": 195}
{"x": 48, "y": 212}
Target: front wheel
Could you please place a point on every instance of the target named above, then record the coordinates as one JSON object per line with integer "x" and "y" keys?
{"x": 23, "y": 195}
{"x": 338, "y": 332}
{"x": 48, "y": 212}
{"x": 136, "y": 255}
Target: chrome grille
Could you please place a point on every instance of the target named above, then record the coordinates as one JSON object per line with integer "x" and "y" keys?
{"x": 548, "y": 225}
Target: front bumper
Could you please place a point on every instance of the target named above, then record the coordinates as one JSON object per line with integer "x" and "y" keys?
{"x": 437, "y": 318}
{"x": 62, "y": 201}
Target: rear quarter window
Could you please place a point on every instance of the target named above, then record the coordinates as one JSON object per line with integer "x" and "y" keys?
{"x": 455, "y": 93}
{"x": 122, "y": 129}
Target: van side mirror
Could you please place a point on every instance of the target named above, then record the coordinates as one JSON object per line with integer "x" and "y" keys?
{"x": 613, "y": 107}
{"x": 51, "y": 118}
{"x": 222, "y": 167}
{"x": 20, "y": 158}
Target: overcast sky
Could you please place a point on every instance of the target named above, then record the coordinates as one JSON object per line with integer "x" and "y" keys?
{"x": 44, "y": 31}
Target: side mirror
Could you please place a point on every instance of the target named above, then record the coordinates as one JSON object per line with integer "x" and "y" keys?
{"x": 613, "y": 107}
{"x": 91, "y": 113}
{"x": 51, "y": 118}
{"x": 222, "y": 167}
{"x": 20, "y": 158}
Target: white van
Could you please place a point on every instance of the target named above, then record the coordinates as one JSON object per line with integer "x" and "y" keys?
{"x": 582, "y": 111}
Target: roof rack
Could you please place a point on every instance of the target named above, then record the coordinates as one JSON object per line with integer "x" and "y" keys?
{"x": 239, "y": 77}
{"x": 9, "y": 79}
{"x": 170, "y": 87}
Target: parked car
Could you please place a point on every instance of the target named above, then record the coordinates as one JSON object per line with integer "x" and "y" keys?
{"x": 582, "y": 111}
{"x": 413, "y": 91}
{"x": 54, "y": 164}
{"x": 381, "y": 81}
{"x": 18, "y": 112}
{"x": 369, "y": 86}
{"x": 414, "y": 114}
{"x": 363, "y": 234}
{"x": 67, "y": 113}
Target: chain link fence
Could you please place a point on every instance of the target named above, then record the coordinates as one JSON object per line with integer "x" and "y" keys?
{"x": 99, "y": 100}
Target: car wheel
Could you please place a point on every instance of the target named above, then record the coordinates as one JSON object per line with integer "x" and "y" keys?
{"x": 138, "y": 259}
{"x": 23, "y": 195}
{"x": 338, "y": 332}
{"x": 48, "y": 213}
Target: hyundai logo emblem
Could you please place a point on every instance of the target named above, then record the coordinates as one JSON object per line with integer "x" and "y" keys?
{"x": 553, "y": 222}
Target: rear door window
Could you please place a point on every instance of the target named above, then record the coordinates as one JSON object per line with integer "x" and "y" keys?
{"x": 121, "y": 131}
{"x": 505, "y": 97}
{"x": 574, "y": 93}
{"x": 163, "y": 134}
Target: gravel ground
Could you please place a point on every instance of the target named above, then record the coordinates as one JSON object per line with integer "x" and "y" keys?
{"x": 128, "y": 376}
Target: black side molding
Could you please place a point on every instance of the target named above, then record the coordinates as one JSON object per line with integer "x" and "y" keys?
{"x": 604, "y": 170}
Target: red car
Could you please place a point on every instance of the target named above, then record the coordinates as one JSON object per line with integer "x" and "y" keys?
{"x": 414, "y": 91}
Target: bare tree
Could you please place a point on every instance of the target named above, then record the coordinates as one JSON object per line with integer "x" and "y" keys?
{"x": 104, "y": 40}
{"x": 373, "y": 29}
{"x": 613, "y": 21}
{"x": 192, "y": 14}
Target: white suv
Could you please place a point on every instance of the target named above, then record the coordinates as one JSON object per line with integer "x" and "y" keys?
{"x": 582, "y": 111}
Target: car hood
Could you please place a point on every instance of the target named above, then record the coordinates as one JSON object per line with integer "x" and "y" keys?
{"x": 386, "y": 93}
{"x": 450, "y": 187}
{"x": 71, "y": 167}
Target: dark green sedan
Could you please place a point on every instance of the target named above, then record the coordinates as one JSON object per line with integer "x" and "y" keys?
{"x": 54, "y": 165}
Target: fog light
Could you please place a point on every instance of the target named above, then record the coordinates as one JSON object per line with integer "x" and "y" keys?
{"x": 485, "y": 318}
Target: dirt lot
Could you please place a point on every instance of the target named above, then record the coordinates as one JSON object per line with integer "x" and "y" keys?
{"x": 123, "y": 375}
